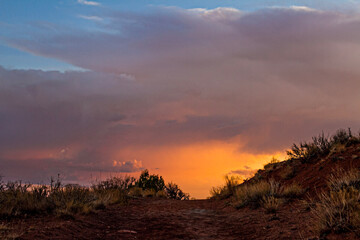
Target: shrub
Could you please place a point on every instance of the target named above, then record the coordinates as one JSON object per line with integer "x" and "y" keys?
{"x": 321, "y": 146}
{"x": 174, "y": 192}
{"x": 120, "y": 183}
{"x": 342, "y": 136}
{"x": 217, "y": 192}
{"x": 18, "y": 199}
{"x": 147, "y": 181}
{"x": 306, "y": 151}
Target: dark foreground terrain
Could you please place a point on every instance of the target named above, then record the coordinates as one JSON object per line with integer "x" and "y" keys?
{"x": 171, "y": 219}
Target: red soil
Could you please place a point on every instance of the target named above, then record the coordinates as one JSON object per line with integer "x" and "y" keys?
{"x": 171, "y": 219}
{"x": 313, "y": 176}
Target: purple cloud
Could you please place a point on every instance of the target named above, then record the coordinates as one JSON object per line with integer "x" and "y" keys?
{"x": 175, "y": 77}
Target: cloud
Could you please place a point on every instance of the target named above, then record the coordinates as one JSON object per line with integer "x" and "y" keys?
{"x": 90, "y": 3}
{"x": 243, "y": 172}
{"x": 40, "y": 170}
{"x": 128, "y": 166}
{"x": 92, "y": 18}
{"x": 174, "y": 77}
{"x": 296, "y": 8}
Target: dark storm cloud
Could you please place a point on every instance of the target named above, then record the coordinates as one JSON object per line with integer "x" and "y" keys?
{"x": 174, "y": 76}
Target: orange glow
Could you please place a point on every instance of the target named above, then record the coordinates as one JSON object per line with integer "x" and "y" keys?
{"x": 197, "y": 168}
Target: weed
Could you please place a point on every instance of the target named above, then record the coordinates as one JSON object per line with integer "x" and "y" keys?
{"x": 135, "y": 192}
{"x": 18, "y": 199}
{"x": 226, "y": 191}
{"x": 271, "y": 203}
{"x": 322, "y": 146}
{"x": 287, "y": 172}
{"x": 161, "y": 194}
{"x": 149, "y": 193}
{"x": 253, "y": 194}
{"x": 339, "y": 209}
{"x": 344, "y": 179}
{"x": 292, "y": 191}
{"x": 272, "y": 165}
{"x": 265, "y": 193}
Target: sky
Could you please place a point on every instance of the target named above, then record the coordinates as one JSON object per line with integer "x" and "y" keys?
{"x": 191, "y": 90}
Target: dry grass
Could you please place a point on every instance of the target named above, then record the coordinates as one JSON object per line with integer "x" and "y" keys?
{"x": 271, "y": 204}
{"x": 292, "y": 191}
{"x": 161, "y": 194}
{"x": 228, "y": 190}
{"x": 13, "y": 236}
{"x": 149, "y": 193}
{"x": 17, "y": 199}
{"x": 337, "y": 148}
{"x": 253, "y": 194}
{"x": 287, "y": 172}
{"x": 267, "y": 194}
{"x": 135, "y": 192}
{"x": 344, "y": 179}
{"x": 272, "y": 165}
{"x": 9, "y": 233}
{"x": 339, "y": 209}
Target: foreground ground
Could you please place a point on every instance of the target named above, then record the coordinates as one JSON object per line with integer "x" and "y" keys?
{"x": 171, "y": 219}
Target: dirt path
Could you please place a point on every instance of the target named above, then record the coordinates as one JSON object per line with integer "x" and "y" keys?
{"x": 169, "y": 219}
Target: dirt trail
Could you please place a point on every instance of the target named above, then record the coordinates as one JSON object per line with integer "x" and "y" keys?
{"x": 170, "y": 219}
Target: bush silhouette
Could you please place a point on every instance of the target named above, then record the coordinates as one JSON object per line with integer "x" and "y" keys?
{"x": 174, "y": 192}
{"x": 147, "y": 181}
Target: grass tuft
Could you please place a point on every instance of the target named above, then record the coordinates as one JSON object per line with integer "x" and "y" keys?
{"x": 271, "y": 203}
{"x": 339, "y": 209}
{"x": 228, "y": 190}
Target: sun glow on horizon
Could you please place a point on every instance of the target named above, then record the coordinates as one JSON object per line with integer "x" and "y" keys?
{"x": 198, "y": 167}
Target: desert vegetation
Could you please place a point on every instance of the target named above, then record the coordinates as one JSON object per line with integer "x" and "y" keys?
{"x": 322, "y": 146}
{"x": 267, "y": 194}
{"x": 334, "y": 206}
{"x": 228, "y": 190}
{"x": 339, "y": 208}
{"x": 19, "y": 199}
